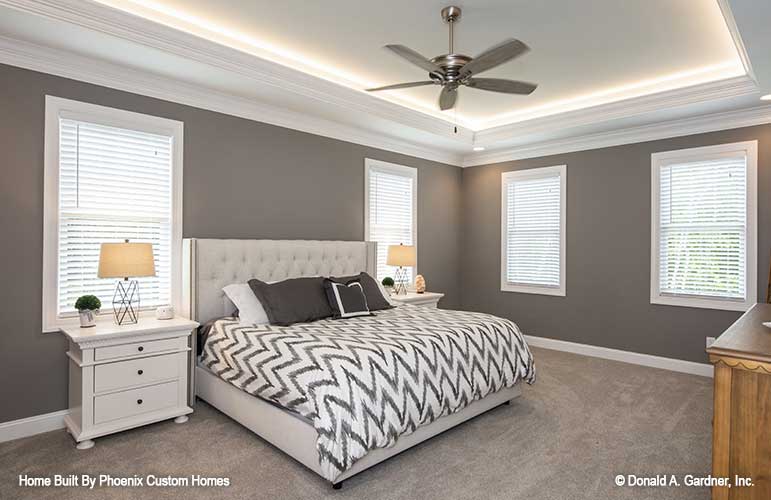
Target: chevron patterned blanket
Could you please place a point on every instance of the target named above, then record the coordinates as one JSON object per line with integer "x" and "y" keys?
{"x": 365, "y": 381}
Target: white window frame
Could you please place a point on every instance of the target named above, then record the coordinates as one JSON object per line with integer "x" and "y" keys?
{"x": 56, "y": 108}
{"x": 534, "y": 173}
{"x": 392, "y": 168}
{"x": 658, "y": 160}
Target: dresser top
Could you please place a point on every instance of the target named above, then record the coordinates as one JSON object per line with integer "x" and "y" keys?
{"x": 108, "y": 329}
{"x": 747, "y": 338}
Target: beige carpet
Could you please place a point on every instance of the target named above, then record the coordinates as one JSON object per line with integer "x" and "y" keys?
{"x": 583, "y": 422}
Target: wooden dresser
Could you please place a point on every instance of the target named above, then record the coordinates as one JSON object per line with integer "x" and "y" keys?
{"x": 741, "y": 427}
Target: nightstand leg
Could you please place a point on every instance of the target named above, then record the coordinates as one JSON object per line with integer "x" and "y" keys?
{"x": 85, "y": 445}
{"x": 180, "y": 419}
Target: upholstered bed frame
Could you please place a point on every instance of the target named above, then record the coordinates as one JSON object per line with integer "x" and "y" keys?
{"x": 210, "y": 264}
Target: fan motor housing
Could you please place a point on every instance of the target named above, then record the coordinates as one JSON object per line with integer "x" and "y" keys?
{"x": 451, "y": 64}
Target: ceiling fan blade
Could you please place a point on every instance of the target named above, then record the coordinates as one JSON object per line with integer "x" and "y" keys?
{"x": 501, "y": 85}
{"x": 402, "y": 86}
{"x": 414, "y": 58}
{"x": 447, "y": 97}
{"x": 494, "y": 56}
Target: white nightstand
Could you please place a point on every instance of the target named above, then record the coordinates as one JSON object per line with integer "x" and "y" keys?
{"x": 429, "y": 299}
{"x": 126, "y": 376}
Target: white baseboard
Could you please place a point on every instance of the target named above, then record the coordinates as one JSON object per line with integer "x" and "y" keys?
{"x": 30, "y": 426}
{"x": 635, "y": 358}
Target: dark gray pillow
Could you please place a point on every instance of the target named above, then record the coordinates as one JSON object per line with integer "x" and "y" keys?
{"x": 375, "y": 299}
{"x": 296, "y": 300}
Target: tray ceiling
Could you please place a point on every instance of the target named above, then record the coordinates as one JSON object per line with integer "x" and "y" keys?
{"x": 609, "y": 72}
{"x": 583, "y": 53}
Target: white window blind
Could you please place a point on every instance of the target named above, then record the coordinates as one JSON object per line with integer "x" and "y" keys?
{"x": 702, "y": 247}
{"x": 704, "y": 232}
{"x": 114, "y": 184}
{"x": 391, "y": 211}
{"x": 533, "y": 231}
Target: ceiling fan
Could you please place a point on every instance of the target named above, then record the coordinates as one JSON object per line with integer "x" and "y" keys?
{"x": 453, "y": 70}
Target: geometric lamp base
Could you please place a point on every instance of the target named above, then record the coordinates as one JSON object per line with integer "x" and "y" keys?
{"x": 125, "y": 301}
{"x": 401, "y": 281}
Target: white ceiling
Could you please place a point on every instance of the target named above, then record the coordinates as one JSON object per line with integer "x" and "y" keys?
{"x": 582, "y": 52}
{"x": 603, "y": 66}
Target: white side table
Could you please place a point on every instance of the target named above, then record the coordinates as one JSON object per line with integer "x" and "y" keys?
{"x": 428, "y": 299}
{"x": 126, "y": 376}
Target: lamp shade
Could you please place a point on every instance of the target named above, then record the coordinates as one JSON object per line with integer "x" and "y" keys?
{"x": 124, "y": 260}
{"x": 401, "y": 255}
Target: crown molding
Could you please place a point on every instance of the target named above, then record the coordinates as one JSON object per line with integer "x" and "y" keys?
{"x": 695, "y": 94}
{"x": 675, "y": 128}
{"x": 66, "y": 64}
{"x": 101, "y": 18}
{"x": 114, "y": 22}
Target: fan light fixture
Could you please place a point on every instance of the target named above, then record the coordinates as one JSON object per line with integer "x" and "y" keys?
{"x": 452, "y": 70}
{"x": 766, "y": 97}
{"x": 479, "y": 148}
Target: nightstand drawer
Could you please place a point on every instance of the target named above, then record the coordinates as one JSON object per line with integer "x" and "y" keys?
{"x": 134, "y": 372}
{"x": 135, "y": 401}
{"x": 121, "y": 351}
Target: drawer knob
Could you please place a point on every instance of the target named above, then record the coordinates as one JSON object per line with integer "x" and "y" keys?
{"x": 140, "y": 348}
{"x": 140, "y": 372}
{"x": 139, "y": 401}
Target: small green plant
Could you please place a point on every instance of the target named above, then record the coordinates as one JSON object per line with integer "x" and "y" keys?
{"x": 88, "y": 303}
{"x": 388, "y": 281}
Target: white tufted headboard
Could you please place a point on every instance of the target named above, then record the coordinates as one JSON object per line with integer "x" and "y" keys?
{"x": 210, "y": 264}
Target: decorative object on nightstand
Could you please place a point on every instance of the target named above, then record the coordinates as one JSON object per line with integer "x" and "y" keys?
{"x": 388, "y": 284}
{"x": 126, "y": 260}
{"x": 401, "y": 256}
{"x": 164, "y": 313}
{"x": 420, "y": 284}
{"x": 88, "y": 307}
{"x": 126, "y": 376}
{"x": 426, "y": 299}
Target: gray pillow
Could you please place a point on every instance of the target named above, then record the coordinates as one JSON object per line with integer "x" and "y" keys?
{"x": 296, "y": 300}
{"x": 375, "y": 299}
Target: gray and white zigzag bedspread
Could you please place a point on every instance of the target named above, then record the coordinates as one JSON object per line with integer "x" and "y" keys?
{"x": 365, "y": 381}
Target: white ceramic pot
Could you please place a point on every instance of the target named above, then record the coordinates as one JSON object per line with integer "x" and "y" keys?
{"x": 87, "y": 318}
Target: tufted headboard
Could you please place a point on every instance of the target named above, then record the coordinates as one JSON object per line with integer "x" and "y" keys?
{"x": 210, "y": 264}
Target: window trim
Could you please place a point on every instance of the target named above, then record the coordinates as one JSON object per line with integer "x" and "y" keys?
{"x": 658, "y": 160}
{"x": 392, "y": 168}
{"x": 538, "y": 172}
{"x": 56, "y": 108}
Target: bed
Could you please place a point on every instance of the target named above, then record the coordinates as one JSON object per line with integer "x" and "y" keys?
{"x": 388, "y": 382}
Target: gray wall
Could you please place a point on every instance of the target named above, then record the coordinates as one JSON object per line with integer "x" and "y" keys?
{"x": 245, "y": 179}
{"x": 608, "y": 251}
{"x": 242, "y": 179}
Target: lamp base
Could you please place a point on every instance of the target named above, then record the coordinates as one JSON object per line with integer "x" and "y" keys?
{"x": 125, "y": 302}
{"x": 400, "y": 279}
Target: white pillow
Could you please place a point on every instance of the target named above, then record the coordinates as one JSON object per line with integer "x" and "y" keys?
{"x": 250, "y": 310}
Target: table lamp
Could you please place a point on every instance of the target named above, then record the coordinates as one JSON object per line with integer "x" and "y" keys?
{"x": 401, "y": 256}
{"x": 126, "y": 260}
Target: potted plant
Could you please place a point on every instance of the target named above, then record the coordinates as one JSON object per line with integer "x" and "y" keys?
{"x": 388, "y": 284}
{"x": 88, "y": 307}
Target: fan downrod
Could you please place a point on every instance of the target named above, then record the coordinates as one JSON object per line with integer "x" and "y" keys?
{"x": 451, "y": 63}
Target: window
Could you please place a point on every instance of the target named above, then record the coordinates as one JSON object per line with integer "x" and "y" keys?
{"x": 533, "y": 230}
{"x": 703, "y": 237}
{"x": 390, "y": 216}
{"x": 110, "y": 175}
